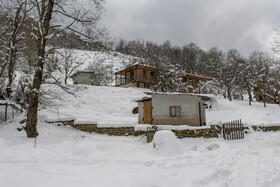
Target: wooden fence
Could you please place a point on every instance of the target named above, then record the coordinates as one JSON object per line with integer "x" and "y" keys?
{"x": 233, "y": 130}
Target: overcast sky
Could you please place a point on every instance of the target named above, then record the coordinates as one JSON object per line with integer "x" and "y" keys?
{"x": 246, "y": 25}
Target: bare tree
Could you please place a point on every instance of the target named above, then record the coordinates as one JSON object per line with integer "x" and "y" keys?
{"x": 15, "y": 15}
{"x": 69, "y": 64}
{"x": 275, "y": 84}
{"x": 261, "y": 64}
{"x": 46, "y": 15}
{"x": 102, "y": 73}
{"x": 170, "y": 80}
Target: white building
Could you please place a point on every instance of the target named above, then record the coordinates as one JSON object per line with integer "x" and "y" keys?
{"x": 84, "y": 77}
{"x": 172, "y": 109}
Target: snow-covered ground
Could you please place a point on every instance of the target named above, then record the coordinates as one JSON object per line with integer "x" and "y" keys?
{"x": 117, "y": 60}
{"x": 102, "y": 104}
{"x": 67, "y": 157}
{"x": 113, "y": 106}
{"x": 256, "y": 114}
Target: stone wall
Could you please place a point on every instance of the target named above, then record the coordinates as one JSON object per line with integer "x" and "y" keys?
{"x": 116, "y": 131}
{"x": 213, "y": 132}
{"x": 68, "y": 122}
{"x": 266, "y": 128}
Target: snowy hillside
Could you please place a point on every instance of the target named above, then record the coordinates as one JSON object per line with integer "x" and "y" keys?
{"x": 256, "y": 114}
{"x": 114, "y": 59}
{"x": 113, "y": 106}
{"x": 101, "y": 104}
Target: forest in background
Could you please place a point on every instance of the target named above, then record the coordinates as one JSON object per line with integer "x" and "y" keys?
{"x": 234, "y": 74}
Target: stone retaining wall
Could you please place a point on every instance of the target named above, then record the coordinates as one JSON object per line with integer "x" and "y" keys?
{"x": 213, "y": 132}
{"x": 69, "y": 122}
{"x": 116, "y": 131}
{"x": 266, "y": 128}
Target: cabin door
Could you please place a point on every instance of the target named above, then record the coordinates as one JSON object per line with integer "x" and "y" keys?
{"x": 148, "y": 112}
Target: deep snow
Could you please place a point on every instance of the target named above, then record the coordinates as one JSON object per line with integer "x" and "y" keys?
{"x": 67, "y": 157}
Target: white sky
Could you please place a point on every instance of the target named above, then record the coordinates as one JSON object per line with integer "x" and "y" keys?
{"x": 244, "y": 25}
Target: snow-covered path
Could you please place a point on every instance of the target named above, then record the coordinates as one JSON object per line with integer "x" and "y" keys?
{"x": 66, "y": 157}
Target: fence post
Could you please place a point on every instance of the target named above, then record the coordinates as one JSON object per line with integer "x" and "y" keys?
{"x": 242, "y": 129}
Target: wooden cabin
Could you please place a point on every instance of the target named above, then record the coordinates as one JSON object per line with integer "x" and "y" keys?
{"x": 142, "y": 76}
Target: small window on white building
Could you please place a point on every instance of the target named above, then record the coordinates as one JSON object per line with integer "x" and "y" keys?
{"x": 175, "y": 111}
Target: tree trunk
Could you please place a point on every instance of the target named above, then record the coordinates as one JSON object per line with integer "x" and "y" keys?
{"x": 45, "y": 17}
{"x": 264, "y": 99}
{"x": 250, "y": 97}
{"x": 229, "y": 94}
{"x": 11, "y": 65}
{"x": 31, "y": 124}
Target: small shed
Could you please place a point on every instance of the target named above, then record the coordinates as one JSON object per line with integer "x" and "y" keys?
{"x": 172, "y": 109}
{"x": 84, "y": 77}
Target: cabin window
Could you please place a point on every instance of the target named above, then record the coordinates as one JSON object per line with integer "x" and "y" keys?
{"x": 175, "y": 111}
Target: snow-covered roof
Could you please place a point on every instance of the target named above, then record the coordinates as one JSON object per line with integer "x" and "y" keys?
{"x": 202, "y": 96}
{"x": 140, "y": 99}
{"x": 135, "y": 66}
{"x": 205, "y": 97}
{"x": 82, "y": 71}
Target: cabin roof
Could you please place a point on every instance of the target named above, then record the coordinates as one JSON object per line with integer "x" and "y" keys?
{"x": 198, "y": 76}
{"x": 135, "y": 66}
{"x": 150, "y": 96}
{"x": 152, "y": 68}
{"x": 83, "y": 71}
